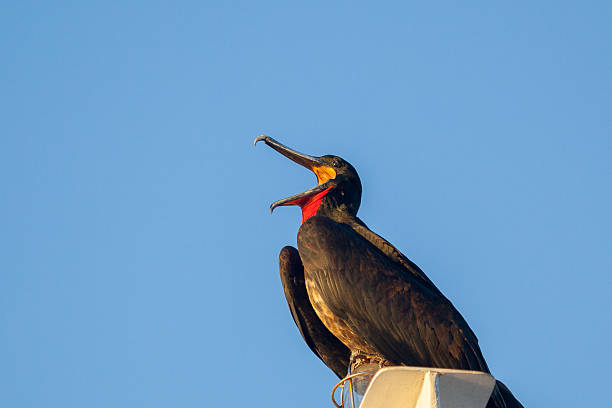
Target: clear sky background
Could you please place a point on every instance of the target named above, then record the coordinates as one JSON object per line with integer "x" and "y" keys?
{"x": 139, "y": 259}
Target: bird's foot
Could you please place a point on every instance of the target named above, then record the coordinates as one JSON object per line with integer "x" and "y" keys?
{"x": 361, "y": 362}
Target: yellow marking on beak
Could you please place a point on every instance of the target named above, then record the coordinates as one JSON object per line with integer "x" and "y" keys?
{"x": 324, "y": 173}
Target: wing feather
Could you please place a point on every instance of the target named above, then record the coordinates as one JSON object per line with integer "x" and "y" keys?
{"x": 402, "y": 316}
{"x": 320, "y": 340}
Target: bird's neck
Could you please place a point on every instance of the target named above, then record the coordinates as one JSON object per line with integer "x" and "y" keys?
{"x": 339, "y": 214}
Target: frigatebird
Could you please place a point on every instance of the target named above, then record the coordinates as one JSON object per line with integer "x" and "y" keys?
{"x": 355, "y": 298}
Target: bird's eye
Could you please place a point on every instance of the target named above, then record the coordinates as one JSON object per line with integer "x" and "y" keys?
{"x": 336, "y": 163}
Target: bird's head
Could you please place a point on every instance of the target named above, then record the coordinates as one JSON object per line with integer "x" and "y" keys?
{"x": 338, "y": 190}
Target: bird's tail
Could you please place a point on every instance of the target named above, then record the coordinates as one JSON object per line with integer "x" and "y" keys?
{"x": 502, "y": 397}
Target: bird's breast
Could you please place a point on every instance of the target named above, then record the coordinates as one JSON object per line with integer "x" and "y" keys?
{"x": 335, "y": 324}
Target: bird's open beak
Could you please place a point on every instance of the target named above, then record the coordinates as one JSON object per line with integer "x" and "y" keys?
{"x": 324, "y": 173}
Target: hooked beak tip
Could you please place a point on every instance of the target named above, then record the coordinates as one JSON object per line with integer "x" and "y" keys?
{"x": 259, "y": 139}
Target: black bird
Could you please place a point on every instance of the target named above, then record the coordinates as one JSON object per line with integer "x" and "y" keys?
{"x": 355, "y": 298}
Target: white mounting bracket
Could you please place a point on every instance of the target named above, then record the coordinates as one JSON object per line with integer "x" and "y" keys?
{"x": 418, "y": 387}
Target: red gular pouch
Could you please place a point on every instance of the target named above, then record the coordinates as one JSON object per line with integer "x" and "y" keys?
{"x": 309, "y": 204}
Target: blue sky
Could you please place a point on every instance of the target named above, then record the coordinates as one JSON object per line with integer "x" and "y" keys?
{"x": 140, "y": 261}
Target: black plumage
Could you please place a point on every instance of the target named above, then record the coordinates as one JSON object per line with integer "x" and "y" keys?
{"x": 352, "y": 293}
